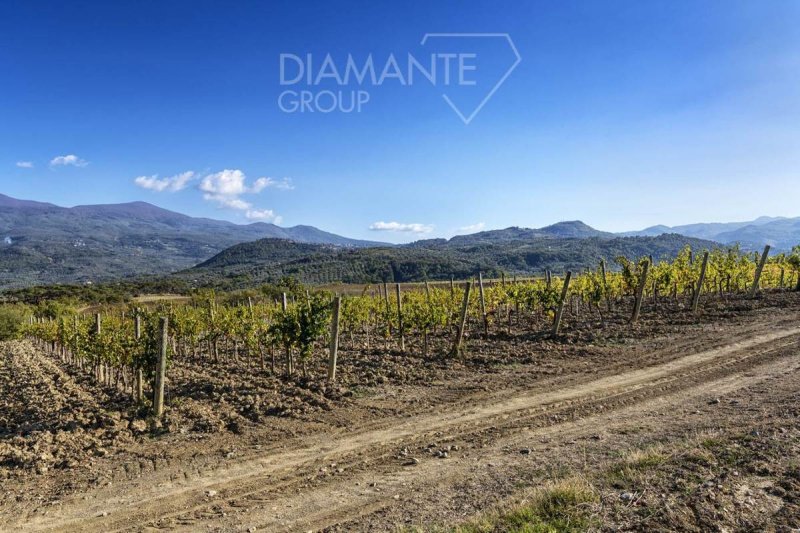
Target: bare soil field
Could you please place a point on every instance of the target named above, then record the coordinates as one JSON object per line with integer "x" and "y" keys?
{"x": 680, "y": 422}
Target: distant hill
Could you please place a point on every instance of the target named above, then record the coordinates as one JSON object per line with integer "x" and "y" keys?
{"x": 13, "y": 203}
{"x": 45, "y": 243}
{"x": 571, "y": 229}
{"x": 779, "y": 232}
{"x": 268, "y": 260}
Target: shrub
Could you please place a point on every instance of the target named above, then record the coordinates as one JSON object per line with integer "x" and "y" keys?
{"x": 12, "y": 320}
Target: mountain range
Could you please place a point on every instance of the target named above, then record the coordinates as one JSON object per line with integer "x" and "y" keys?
{"x": 45, "y": 243}
{"x": 779, "y": 232}
{"x": 42, "y": 243}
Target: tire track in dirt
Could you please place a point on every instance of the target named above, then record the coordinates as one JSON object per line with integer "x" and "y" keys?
{"x": 251, "y": 478}
{"x": 324, "y": 507}
{"x": 328, "y": 505}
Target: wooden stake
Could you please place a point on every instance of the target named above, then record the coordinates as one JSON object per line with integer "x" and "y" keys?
{"x": 754, "y": 289}
{"x": 400, "y": 318}
{"x": 334, "y": 348}
{"x": 699, "y": 287}
{"x": 560, "y": 312}
{"x": 462, "y": 323}
{"x": 637, "y": 305}
{"x": 161, "y": 367}
{"x": 388, "y": 307}
{"x": 139, "y": 378}
{"x": 483, "y": 306}
{"x": 99, "y": 375}
{"x": 605, "y": 284}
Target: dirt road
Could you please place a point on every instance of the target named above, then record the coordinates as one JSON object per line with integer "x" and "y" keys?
{"x": 444, "y": 462}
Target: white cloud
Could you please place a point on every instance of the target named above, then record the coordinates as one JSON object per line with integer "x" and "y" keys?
{"x": 267, "y": 215}
{"x": 472, "y": 228}
{"x": 224, "y": 183}
{"x": 231, "y": 202}
{"x": 260, "y": 184}
{"x": 233, "y": 183}
{"x": 225, "y": 188}
{"x": 228, "y": 186}
{"x": 401, "y": 227}
{"x": 25, "y": 164}
{"x": 172, "y": 184}
{"x": 68, "y": 160}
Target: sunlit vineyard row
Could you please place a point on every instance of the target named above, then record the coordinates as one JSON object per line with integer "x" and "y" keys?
{"x": 282, "y": 336}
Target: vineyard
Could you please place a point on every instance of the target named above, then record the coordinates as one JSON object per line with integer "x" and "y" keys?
{"x": 304, "y": 334}
{"x": 425, "y": 403}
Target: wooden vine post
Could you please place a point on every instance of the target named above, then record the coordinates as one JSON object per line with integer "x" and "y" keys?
{"x": 637, "y": 304}
{"x": 388, "y": 307}
{"x": 98, "y": 371}
{"x": 699, "y": 287}
{"x": 289, "y": 356}
{"x": 139, "y": 379}
{"x": 334, "y": 348}
{"x": 462, "y": 322}
{"x": 400, "y": 318}
{"x": 425, "y": 329}
{"x": 161, "y": 368}
{"x": 483, "y": 306}
{"x": 561, "y": 302}
{"x": 215, "y": 342}
{"x": 760, "y": 268}
{"x": 655, "y": 287}
{"x": 605, "y": 284}
{"x": 77, "y": 357}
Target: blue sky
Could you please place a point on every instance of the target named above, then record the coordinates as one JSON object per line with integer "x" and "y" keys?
{"x": 621, "y": 114}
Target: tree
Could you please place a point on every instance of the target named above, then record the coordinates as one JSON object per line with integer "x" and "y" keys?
{"x": 794, "y": 261}
{"x": 12, "y": 320}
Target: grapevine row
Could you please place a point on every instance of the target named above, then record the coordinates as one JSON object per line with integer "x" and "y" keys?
{"x": 122, "y": 349}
